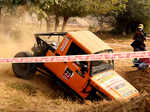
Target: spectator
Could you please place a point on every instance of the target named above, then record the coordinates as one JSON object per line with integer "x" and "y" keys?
{"x": 138, "y": 43}
{"x": 139, "y": 38}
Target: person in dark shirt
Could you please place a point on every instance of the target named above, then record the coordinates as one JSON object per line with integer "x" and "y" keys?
{"x": 139, "y": 38}
{"x": 138, "y": 43}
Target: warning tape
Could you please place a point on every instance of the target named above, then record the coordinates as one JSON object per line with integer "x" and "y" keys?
{"x": 90, "y": 57}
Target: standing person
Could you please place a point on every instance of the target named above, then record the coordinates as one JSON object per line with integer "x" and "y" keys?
{"x": 139, "y": 38}
{"x": 138, "y": 43}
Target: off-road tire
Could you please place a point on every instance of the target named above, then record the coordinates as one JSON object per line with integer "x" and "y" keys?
{"x": 24, "y": 70}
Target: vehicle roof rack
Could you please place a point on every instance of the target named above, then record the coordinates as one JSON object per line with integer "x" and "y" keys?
{"x": 50, "y": 34}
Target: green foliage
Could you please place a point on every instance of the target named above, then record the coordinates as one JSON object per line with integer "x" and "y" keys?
{"x": 119, "y": 7}
{"x": 124, "y": 11}
{"x": 99, "y": 7}
{"x": 2, "y": 2}
{"x": 140, "y": 11}
{"x": 43, "y": 8}
{"x": 106, "y": 7}
{"x": 61, "y": 8}
{"x": 136, "y": 11}
{"x": 18, "y": 2}
{"x": 72, "y": 8}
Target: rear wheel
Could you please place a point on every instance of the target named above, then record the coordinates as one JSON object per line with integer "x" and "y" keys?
{"x": 24, "y": 70}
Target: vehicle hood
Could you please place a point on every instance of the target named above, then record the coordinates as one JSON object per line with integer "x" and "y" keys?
{"x": 113, "y": 85}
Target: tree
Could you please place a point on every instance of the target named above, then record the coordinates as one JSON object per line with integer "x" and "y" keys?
{"x": 43, "y": 9}
{"x": 139, "y": 10}
{"x": 4, "y": 5}
{"x": 136, "y": 11}
{"x": 104, "y": 8}
{"x": 100, "y": 9}
{"x": 1, "y": 6}
{"x": 67, "y": 9}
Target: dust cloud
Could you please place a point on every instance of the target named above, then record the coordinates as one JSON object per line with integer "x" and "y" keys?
{"x": 14, "y": 37}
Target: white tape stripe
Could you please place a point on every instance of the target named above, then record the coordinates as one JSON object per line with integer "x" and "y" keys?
{"x": 91, "y": 57}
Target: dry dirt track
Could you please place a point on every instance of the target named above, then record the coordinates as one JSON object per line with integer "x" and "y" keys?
{"x": 43, "y": 95}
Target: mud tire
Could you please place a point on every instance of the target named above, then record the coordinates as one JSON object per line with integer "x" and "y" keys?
{"x": 24, "y": 70}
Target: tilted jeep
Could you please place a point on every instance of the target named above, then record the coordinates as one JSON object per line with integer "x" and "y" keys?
{"x": 85, "y": 78}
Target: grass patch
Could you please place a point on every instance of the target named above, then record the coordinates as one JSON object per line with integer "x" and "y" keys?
{"x": 26, "y": 88}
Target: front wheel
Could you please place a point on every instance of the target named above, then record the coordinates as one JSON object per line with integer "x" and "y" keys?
{"x": 24, "y": 70}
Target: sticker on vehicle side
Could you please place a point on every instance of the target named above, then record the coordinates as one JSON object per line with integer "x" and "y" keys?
{"x": 121, "y": 86}
{"x": 115, "y": 85}
{"x": 68, "y": 74}
{"x": 66, "y": 41}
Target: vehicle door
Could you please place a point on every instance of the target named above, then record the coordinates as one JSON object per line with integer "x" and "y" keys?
{"x": 78, "y": 79}
{"x": 58, "y": 67}
{"x": 74, "y": 74}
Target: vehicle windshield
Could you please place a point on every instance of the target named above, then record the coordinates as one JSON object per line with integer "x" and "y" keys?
{"x": 102, "y": 65}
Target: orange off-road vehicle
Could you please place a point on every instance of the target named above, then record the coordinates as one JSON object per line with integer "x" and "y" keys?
{"x": 85, "y": 78}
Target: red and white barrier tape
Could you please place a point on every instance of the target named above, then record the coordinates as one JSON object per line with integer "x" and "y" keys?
{"x": 91, "y": 57}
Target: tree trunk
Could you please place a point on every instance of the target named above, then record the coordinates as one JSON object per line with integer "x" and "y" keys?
{"x": 40, "y": 22}
{"x": 0, "y": 14}
{"x": 48, "y": 24}
{"x": 56, "y": 23}
{"x": 64, "y": 23}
